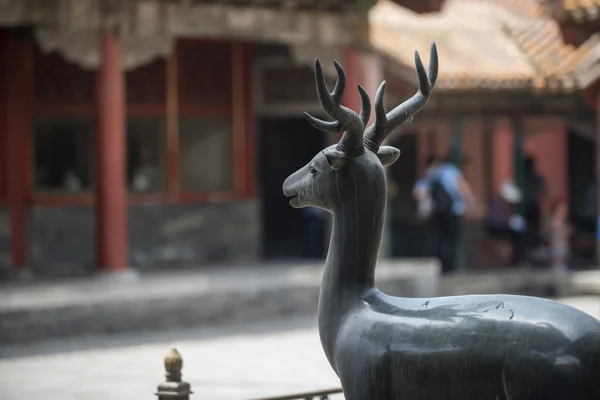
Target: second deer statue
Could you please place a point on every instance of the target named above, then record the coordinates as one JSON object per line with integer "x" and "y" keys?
{"x": 476, "y": 347}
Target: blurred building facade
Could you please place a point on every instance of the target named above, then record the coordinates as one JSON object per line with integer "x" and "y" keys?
{"x": 518, "y": 79}
{"x": 129, "y": 128}
{"x": 157, "y": 133}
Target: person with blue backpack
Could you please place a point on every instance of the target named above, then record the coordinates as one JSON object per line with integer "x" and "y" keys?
{"x": 446, "y": 189}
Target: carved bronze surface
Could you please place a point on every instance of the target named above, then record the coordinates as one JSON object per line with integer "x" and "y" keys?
{"x": 446, "y": 348}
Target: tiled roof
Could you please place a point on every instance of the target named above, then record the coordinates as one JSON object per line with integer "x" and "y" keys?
{"x": 553, "y": 60}
{"x": 495, "y": 44}
{"x": 588, "y": 68}
{"x": 578, "y": 11}
{"x": 522, "y": 8}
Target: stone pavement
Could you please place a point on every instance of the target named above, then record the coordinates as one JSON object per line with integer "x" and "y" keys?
{"x": 235, "y": 362}
{"x": 536, "y": 282}
{"x": 170, "y": 300}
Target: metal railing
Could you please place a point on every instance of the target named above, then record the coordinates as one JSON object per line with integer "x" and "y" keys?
{"x": 174, "y": 388}
{"x": 322, "y": 395}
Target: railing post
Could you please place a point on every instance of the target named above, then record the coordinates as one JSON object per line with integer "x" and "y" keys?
{"x": 173, "y": 388}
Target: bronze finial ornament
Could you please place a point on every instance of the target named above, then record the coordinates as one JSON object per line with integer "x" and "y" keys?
{"x": 382, "y": 347}
{"x": 173, "y": 388}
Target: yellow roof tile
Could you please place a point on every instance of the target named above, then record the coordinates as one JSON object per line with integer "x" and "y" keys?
{"x": 481, "y": 43}
{"x": 581, "y": 10}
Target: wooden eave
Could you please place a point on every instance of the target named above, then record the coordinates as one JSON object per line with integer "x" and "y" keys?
{"x": 421, "y": 6}
{"x": 485, "y": 101}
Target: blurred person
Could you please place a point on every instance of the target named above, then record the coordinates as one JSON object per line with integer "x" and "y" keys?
{"x": 145, "y": 175}
{"x": 424, "y": 201}
{"x": 502, "y": 222}
{"x": 534, "y": 192}
{"x": 71, "y": 181}
{"x": 560, "y": 233}
{"x": 450, "y": 193}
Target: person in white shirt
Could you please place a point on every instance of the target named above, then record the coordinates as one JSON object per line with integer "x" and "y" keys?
{"x": 503, "y": 223}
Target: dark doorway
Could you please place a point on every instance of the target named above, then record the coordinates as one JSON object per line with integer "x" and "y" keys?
{"x": 286, "y": 144}
{"x": 408, "y": 235}
{"x": 582, "y": 188}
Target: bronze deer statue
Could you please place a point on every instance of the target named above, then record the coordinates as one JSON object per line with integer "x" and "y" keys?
{"x": 473, "y": 347}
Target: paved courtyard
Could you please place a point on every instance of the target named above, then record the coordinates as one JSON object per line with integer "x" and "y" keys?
{"x": 236, "y": 362}
{"x": 239, "y": 362}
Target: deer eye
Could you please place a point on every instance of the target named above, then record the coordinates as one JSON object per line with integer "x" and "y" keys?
{"x": 313, "y": 171}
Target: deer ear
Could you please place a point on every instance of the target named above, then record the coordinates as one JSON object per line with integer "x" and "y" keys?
{"x": 388, "y": 155}
{"x": 336, "y": 159}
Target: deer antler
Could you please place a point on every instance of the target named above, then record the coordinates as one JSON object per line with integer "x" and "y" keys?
{"x": 345, "y": 119}
{"x": 384, "y": 124}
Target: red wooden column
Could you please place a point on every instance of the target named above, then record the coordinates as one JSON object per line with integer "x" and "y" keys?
{"x": 372, "y": 76}
{"x": 597, "y": 107}
{"x": 111, "y": 191}
{"x": 249, "y": 122}
{"x": 17, "y": 91}
{"x": 365, "y": 69}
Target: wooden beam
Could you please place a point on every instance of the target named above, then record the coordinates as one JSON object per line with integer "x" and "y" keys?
{"x": 519, "y": 158}
{"x": 457, "y": 139}
{"x": 598, "y": 177}
{"x": 488, "y": 131}
{"x": 249, "y": 122}
{"x": 172, "y": 122}
{"x": 457, "y": 157}
{"x": 239, "y": 118}
{"x": 496, "y": 102}
{"x": 18, "y": 101}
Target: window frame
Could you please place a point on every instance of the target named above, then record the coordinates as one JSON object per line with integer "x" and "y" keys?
{"x": 162, "y": 136}
{"x": 3, "y": 132}
{"x": 239, "y": 110}
{"x": 199, "y": 111}
{"x": 32, "y": 151}
{"x": 44, "y": 109}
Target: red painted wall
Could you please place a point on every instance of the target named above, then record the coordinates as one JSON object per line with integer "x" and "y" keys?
{"x": 17, "y": 88}
{"x": 547, "y": 142}
{"x": 502, "y": 152}
{"x": 472, "y": 149}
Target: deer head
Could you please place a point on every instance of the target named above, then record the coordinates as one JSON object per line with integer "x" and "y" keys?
{"x": 331, "y": 178}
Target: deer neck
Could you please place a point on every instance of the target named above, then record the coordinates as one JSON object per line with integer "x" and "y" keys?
{"x": 350, "y": 265}
{"x": 355, "y": 241}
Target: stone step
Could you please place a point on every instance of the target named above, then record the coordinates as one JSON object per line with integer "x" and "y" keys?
{"x": 164, "y": 301}
{"x": 181, "y": 299}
